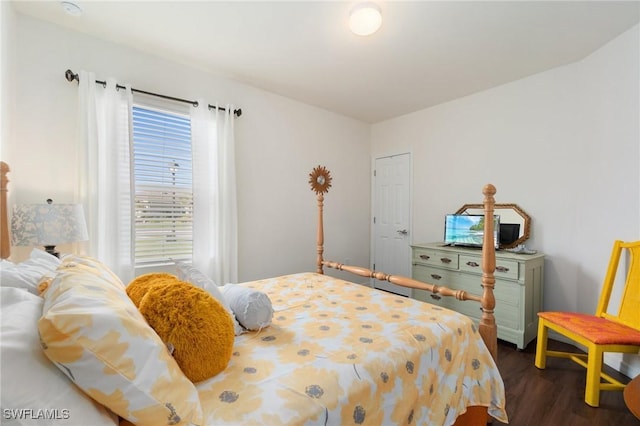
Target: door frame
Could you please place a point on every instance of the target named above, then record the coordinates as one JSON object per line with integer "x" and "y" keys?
{"x": 372, "y": 249}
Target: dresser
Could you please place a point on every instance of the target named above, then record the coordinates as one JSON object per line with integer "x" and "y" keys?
{"x": 518, "y": 287}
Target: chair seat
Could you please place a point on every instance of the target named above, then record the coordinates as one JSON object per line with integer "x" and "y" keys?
{"x": 595, "y": 329}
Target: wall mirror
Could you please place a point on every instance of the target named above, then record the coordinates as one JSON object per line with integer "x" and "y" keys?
{"x": 515, "y": 223}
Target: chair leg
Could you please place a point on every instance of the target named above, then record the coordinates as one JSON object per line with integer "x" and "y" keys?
{"x": 594, "y": 367}
{"x": 541, "y": 345}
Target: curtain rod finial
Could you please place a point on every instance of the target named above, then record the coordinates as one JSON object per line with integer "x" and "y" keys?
{"x": 70, "y": 76}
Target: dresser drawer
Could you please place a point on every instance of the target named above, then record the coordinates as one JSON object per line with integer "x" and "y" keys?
{"x": 506, "y": 316}
{"x": 504, "y": 268}
{"x": 469, "y": 308}
{"x": 505, "y": 292}
{"x": 436, "y": 276}
{"x": 436, "y": 258}
{"x": 431, "y": 275}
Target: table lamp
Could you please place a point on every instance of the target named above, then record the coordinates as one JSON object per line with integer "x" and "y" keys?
{"x": 48, "y": 225}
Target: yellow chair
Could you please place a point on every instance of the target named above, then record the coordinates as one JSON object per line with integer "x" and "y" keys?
{"x": 603, "y": 332}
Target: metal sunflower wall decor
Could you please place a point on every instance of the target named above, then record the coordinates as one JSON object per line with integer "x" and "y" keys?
{"x": 320, "y": 180}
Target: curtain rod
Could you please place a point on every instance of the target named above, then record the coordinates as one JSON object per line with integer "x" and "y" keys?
{"x": 71, "y": 76}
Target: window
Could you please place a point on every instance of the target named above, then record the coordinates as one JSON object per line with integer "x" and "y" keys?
{"x": 162, "y": 170}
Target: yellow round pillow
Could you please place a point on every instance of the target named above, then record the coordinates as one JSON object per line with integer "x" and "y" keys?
{"x": 140, "y": 285}
{"x": 193, "y": 323}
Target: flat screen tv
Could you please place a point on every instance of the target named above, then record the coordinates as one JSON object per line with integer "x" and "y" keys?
{"x": 468, "y": 230}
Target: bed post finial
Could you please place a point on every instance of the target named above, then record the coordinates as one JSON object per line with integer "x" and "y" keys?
{"x": 487, "y": 327}
{"x": 320, "y": 181}
{"x": 5, "y": 246}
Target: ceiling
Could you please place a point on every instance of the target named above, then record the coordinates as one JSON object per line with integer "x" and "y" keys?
{"x": 426, "y": 53}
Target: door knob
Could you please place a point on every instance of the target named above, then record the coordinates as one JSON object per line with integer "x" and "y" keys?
{"x": 402, "y": 232}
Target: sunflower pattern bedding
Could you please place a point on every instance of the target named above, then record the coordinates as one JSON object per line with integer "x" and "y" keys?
{"x": 342, "y": 353}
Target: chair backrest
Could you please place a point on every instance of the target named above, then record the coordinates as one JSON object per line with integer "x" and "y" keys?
{"x": 629, "y": 310}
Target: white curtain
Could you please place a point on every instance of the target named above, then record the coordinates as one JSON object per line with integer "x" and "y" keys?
{"x": 104, "y": 181}
{"x": 215, "y": 227}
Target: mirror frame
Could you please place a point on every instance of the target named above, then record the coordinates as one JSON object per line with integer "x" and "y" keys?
{"x": 527, "y": 220}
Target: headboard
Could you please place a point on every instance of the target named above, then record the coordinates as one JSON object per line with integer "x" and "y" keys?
{"x": 5, "y": 244}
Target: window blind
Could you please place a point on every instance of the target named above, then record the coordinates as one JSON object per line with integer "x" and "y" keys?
{"x": 162, "y": 164}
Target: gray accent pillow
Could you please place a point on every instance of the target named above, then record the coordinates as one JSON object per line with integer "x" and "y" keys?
{"x": 189, "y": 273}
{"x": 252, "y": 307}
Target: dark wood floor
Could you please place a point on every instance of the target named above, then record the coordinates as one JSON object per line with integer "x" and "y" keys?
{"x": 555, "y": 396}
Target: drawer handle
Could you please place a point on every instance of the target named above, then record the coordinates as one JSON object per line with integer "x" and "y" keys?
{"x": 473, "y": 264}
{"x": 424, "y": 257}
{"x": 434, "y": 291}
{"x": 445, "y": 260}
{"x": 436, "y": 276}
{"x": 502, "y": 269}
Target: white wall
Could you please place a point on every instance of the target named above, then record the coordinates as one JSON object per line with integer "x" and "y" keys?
{"x": 7, "y": 19}
{"x": 279, "y": 141}
{"x": 564, "y": 145}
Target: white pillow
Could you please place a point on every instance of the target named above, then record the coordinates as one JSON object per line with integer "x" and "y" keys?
{"x": 252, "y": 308}
{"x": 27, "y": 274}
{"x": 189, "y": 273}
{"x": 29, "y": 381}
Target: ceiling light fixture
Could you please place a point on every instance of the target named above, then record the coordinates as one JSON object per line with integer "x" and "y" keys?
{"x": 365, "y": 18}
{"x": 71, "y": 8}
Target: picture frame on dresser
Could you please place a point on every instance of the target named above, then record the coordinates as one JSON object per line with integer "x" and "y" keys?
{"x": 519, "y": 285}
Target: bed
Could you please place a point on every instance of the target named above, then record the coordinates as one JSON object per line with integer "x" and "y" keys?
{"x": 335, "y": 353}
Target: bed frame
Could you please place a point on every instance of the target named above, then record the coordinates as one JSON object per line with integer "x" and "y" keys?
{"x": 320, "y": 180}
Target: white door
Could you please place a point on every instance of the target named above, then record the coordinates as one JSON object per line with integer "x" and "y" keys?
{"x": 391, "y": 210}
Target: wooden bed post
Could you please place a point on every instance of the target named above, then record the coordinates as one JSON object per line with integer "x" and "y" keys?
{"x": 5, "y": 245}
{"x": 320, "y": 236}
{"x": 487, "y": 327}
{"x": 320, "y": 181}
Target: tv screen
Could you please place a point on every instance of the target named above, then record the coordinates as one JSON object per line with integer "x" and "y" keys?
{"x": 468, "y": 230}
{"x": 509, "y": 232}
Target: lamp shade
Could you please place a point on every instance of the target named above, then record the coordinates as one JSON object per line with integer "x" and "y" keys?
{"x": 48, "y": 224}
